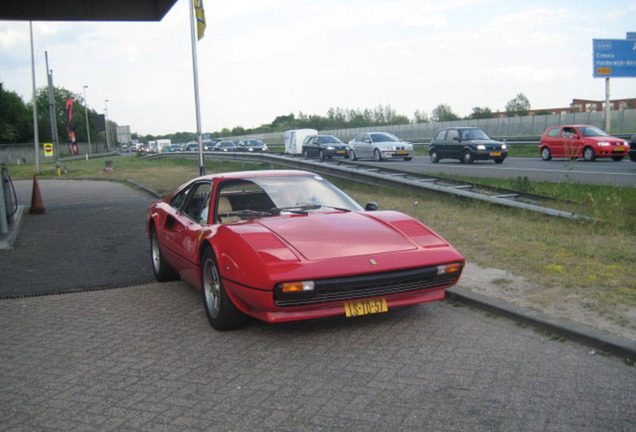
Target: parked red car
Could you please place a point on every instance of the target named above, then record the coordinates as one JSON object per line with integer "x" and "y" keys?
{"x": 585, "y": 141}
{"x": 288, "y": 245}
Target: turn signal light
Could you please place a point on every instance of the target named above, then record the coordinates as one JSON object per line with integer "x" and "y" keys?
{"x": 449, "y": 268}
{"x": 290, "y": 287}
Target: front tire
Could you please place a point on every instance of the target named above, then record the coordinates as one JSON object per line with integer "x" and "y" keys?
{"x": 352, "y": 155}
{"x": 588, "y": 154}
{"x": 221, "y": 312}
{"x": 467, "y": 157}
{"x": 499, "y": 161}
{"x": 617, "y": 158}
{"x": 377, "y": 156}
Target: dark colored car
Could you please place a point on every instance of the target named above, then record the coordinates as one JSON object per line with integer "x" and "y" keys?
{"x": 632, "y": 149}
{"x": 573, "y": 141}
{"x": 252, "y": 145}
{"x": 467, "y": 144}
{"x": 225, "y": 146}
{"x": 324, "y": 147}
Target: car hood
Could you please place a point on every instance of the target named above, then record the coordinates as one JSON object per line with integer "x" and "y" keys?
{"x": 321, "y": 236}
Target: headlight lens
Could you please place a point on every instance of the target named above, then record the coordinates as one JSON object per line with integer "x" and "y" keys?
{"x": 481, "y": 147}
{"x": 388, "y": 148}
{"x": 504, "y": 147}
{"x": 603, "y": 144}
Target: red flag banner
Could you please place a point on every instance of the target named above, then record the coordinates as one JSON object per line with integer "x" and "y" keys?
{"x": 68, "y": 108}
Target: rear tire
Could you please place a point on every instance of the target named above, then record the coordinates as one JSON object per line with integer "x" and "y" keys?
{"x": 545, "y": 154}
{"x": 221, "y": 312}
{"x": 160, "y": 267}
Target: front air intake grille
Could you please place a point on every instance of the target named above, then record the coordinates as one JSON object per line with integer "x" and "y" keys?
{"x": 364, "y": 286}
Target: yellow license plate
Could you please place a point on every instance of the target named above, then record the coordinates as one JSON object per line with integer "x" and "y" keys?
{"x": 341, "y": 151}
{"x": 365, "y": 307}
{"x": 402, "y": 152}
{"x": 495, "y": 154}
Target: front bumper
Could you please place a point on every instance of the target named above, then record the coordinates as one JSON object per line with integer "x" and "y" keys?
{"x": 489, "y": 154}
{"x": 393, "y": 154}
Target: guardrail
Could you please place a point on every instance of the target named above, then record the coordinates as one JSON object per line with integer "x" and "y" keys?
{"x": 373, "y": 175}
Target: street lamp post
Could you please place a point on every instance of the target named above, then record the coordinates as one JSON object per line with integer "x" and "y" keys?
{"x": 106, "y": 124}
{"x": 88, "y": 130}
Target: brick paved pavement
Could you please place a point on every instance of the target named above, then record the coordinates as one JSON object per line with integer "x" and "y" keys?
{"x": 143, "y": 358}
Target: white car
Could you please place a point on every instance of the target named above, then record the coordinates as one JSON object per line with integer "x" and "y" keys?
{"x": 379, "y": 146}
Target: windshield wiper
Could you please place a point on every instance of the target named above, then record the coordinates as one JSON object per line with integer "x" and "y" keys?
{"x": 304, "y": 208}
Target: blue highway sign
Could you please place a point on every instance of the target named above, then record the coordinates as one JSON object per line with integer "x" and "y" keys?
{"x": 614, "y": 58}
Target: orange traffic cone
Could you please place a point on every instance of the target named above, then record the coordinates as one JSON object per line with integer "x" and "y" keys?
{"x": 36, "y": 199}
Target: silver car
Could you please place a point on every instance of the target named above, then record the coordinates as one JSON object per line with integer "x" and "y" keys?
{"x": 379, "y": 146}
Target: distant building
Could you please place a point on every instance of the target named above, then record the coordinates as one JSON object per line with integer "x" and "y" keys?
{"x": 586, "y": 105}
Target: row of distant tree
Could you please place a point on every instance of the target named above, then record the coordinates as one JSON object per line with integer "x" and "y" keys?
{"x": 16, "y": 118}
{"x": 340, "y": 118}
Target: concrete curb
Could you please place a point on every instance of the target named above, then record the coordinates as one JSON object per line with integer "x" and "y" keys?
{"x": 605, "y": 342}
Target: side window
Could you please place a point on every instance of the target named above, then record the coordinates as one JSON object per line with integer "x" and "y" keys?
{"x": 452, "y": 133}
{"x": 195, "y": 206}
{"x": 440, "y": 135}
{"x": 553, "y": 133}
{"x": 568, "y": 132}
{"x": 179, "y": 199}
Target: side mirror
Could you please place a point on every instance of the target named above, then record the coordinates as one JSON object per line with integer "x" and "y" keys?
{"x": 371, "y": 206}
{"x": 575, "y": 136}
{"x": 457, "y": 139}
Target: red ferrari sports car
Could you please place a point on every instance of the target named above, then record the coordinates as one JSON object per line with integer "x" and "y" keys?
{"x": 285, "y": 245}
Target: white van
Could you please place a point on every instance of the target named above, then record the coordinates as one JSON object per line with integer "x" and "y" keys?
{"x": 294, "y": 139}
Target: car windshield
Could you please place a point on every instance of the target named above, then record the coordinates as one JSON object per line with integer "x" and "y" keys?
{"x": 254, "y": 143}
{"x": 474, "y": 134}
{"x": 328, "y": 139}
{"x": 383, "y": 137}
{"x": 592, "y": 131}
{"x": 272, "y": 196}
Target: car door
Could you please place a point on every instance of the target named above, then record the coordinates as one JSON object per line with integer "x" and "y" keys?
{"x": 366, "y": 146}
{"x": 311, "y": 145}
{"x": 452, "y": 144}
{"x": 357, "y": 145}
{"x": 183, "y": 226}
{"x": 569, "y": 142}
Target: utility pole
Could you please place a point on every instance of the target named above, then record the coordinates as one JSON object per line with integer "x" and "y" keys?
{"x": 53, "y": 116}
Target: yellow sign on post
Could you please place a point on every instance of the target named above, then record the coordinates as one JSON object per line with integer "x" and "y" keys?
{"x": 48, "y": 149}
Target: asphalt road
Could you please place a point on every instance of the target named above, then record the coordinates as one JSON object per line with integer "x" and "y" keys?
{"x": 143, "y": 358}
{"x": 601, "y": 171}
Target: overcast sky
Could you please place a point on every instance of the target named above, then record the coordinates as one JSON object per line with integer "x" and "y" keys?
{"x": 263, "y": 58}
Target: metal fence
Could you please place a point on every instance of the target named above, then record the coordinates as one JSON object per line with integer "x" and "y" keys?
{"x": 622, "y": 122}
